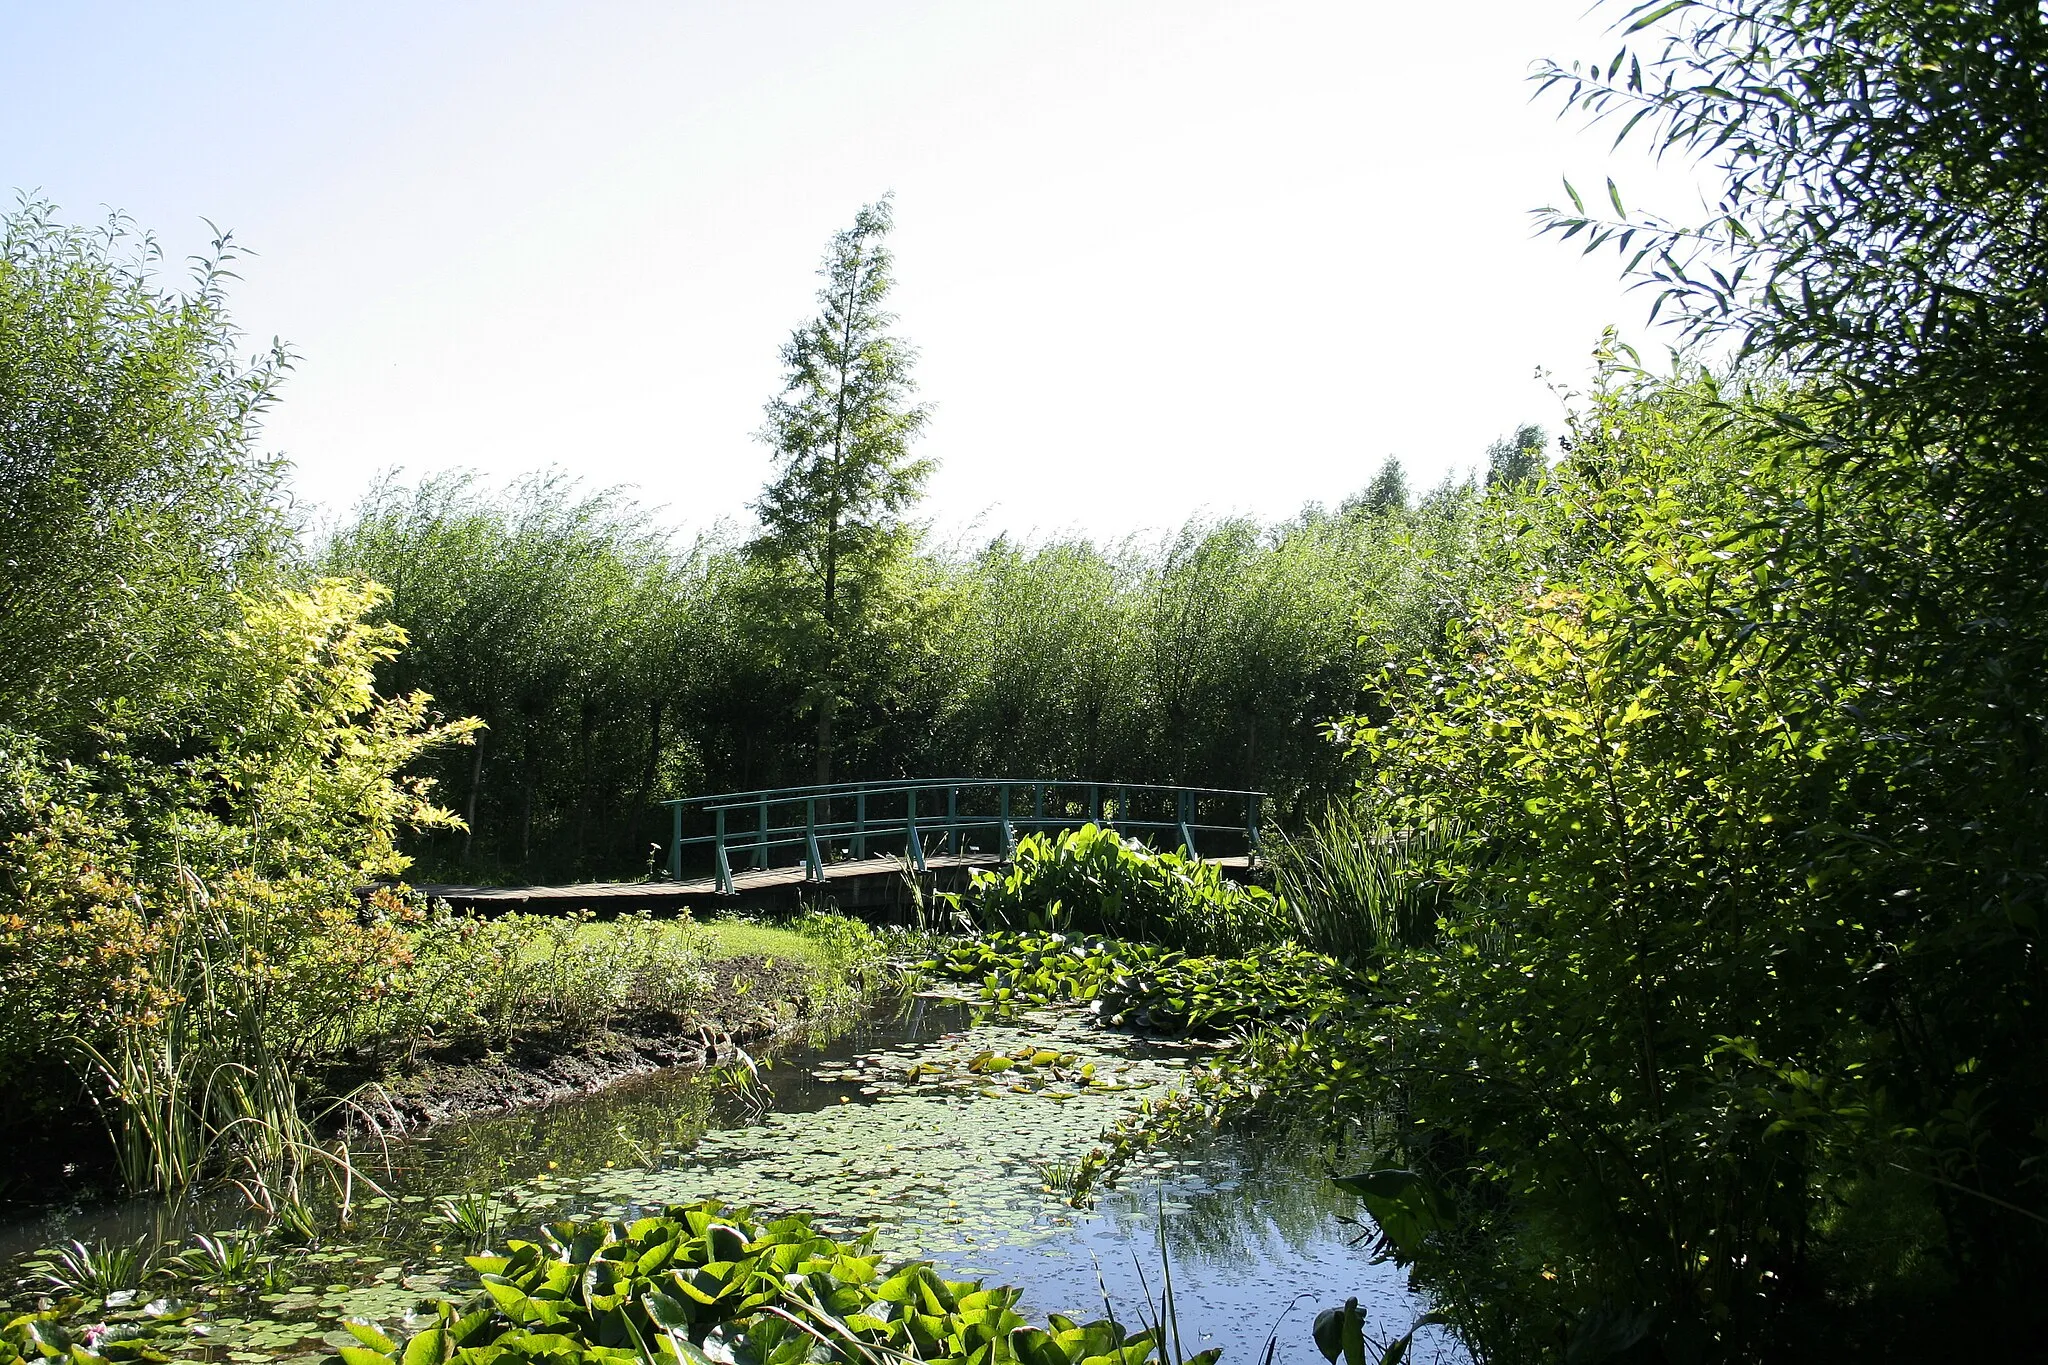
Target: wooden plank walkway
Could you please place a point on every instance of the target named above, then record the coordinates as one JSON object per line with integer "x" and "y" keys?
{"x": 628, "y": 896}
{"x": 621, "y": 895}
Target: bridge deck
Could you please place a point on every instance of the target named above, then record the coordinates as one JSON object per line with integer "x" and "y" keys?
{"x": 626, "y": 896}
{"x": 558, "y": 897}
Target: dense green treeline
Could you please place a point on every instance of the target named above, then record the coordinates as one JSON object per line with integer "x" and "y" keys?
{"x": 614, "y": 667}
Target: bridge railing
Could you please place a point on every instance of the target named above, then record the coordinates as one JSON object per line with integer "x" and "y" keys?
{"x": 917, "y": 818}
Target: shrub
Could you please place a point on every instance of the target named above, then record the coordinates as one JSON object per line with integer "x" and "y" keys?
{"x": 189, "y": 933}
{"x": 1090, "y": 879}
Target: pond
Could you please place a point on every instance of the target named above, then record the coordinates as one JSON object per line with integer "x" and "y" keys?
{"x": 951, "y": 1134}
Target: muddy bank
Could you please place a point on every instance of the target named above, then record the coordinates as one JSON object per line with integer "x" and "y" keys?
{"x": 751, "y": 1000}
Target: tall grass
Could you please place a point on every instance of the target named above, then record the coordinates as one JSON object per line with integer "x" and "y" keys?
{"x": 510, "y": 974}
{"x": 198, "y": 1084}
{"x": 1357, "y": 889}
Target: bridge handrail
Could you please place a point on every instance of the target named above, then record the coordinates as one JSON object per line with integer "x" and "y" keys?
{"x": 874, "y": 784}
{"x": 814, "y": 835}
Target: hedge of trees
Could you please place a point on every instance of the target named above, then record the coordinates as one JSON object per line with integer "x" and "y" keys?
{"x": 614, "y": 666}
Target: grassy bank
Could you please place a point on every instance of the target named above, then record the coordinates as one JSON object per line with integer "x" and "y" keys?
{"x": 455, "y": 1014}
{"x": 548, "y": 1007}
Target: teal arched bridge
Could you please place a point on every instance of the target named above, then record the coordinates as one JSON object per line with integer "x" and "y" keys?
{"x": 822, "y": 826}
{"x": 859, "y": 835}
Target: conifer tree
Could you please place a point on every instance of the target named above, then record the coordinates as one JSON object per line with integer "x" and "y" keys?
{"x": 1515, "y": 460}
{"x": 832, "y": 518}
{"x": 1388, "y": 491}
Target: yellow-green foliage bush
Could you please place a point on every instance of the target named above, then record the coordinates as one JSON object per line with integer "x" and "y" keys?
{"x": 178, "y": 921}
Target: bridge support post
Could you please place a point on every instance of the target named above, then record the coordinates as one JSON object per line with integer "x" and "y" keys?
{"x": 1185, "y": 813}
{"x": 724, "y": 867}
{"x": 953, "y": 821}
{"x": 913, "y": 842}
{"x": 675, "y": 844}
{"x": 761, "y": 837}
{"x": 860, "y": 824}
{"x": 1251, "y": 825}
{"x": 1009, "y": 835}
{"x": 813, "y": 863}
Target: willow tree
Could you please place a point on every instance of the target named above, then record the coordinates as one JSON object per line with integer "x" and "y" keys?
{"x": 135, "y": 501}
{"x": 832, "y": 518}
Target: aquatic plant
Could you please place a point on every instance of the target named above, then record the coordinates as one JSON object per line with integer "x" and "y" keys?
{"x": 1094, "y": 880}
{"x": 1144, "y": 986}
{"x": 708, "y": 1282}
{"x": 1059, "y": 1176}
{"x": 1340, "y": 1333}
{"x": 98, "y": 1270}
{"x": 740, "y": 1080}
{"x": 1162, "y": 1320}
{"x": 470, "y": 1217}
{"x": 224, "y": 1260}
{"x": 130, "y": 1336}
{"x": 1356, "y": 889}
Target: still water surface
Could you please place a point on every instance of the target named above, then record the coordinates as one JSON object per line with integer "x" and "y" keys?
{"x": 950, "y": 1134}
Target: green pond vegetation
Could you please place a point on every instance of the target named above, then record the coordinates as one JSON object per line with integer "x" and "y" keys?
{"x": 1650, "y": 936}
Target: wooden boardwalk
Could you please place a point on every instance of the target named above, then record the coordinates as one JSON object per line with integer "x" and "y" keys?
{"x": 633, "y": 895}
{"x": 865, "y": 880}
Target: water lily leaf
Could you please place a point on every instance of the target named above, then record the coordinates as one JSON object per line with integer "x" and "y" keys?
{"x": 430, "y": 1347}
{"x": 369, "y": 1336}
{"x": 665, "y": 1311}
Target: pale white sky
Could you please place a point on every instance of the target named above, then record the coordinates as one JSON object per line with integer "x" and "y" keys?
{"x": 1159, "y": 258}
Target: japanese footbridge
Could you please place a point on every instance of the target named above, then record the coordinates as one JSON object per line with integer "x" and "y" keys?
{"x": 861, "y": 840}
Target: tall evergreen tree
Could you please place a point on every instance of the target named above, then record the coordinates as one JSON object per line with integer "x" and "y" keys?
{"x": 841, "y": 429}
{"x": 1514, "y": 460}
{"x": 1388, "y": 491}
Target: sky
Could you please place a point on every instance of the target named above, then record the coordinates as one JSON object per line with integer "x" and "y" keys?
{"x": 1159, "y": 260}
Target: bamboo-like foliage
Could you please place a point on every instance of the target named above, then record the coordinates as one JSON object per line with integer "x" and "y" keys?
{"x": 133, "y": 499}
{"x": 614, "y": 668}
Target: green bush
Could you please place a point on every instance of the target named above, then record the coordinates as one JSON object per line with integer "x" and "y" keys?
{"x": 1092, "y": 880}
{"x": 190, "y": 933}
{"x": 1723, "y": 1035}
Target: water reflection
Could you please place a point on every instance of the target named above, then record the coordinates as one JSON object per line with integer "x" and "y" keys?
{"x": 953, "y": 1172}
{"x": 1257, "y": 1245}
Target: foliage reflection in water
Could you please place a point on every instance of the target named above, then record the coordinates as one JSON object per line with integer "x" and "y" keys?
{"x": 950, "y": 1134}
